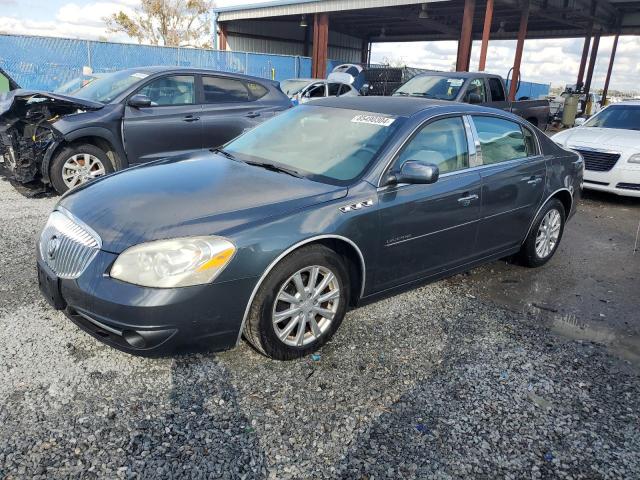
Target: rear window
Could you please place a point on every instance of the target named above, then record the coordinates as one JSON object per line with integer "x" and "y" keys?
{"x": 224, "y": 90}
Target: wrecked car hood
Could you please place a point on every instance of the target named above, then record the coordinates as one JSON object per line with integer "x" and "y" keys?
{"x": 32, "y": 97}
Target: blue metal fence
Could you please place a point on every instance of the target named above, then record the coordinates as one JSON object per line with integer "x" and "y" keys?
{"x": 532, "y": 90}
{"x": 44, "y": 63}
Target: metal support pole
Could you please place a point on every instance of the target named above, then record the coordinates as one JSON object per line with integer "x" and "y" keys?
{"x": 464, "y": 45}
{"x": 320, "y": 44}
{"x": 583, "y": 60}
{"x": 592, "y": 64}
{"x": 605, "y": 90}
{"x": 486, "y": 33}
{"x": 522, "y": 34}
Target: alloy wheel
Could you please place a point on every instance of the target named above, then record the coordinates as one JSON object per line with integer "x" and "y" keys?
{"x": 305, "y": 305}
{"x": 81, "y": 168}
{"x": 548, "y": 233}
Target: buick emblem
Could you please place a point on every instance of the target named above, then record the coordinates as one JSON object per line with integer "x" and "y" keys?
{"x": 52, "y": 247}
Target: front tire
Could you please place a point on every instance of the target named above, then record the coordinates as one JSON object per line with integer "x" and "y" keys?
{"x": 78, "y": 164}
{"x": 545, "y": 235}
{"x": 300, "y": 304}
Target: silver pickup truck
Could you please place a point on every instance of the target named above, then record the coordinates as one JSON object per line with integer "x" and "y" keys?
{"x": 474, "y": 87}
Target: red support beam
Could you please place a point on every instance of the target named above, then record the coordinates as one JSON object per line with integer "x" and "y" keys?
{"x": 223, "y": 36}
{"x": 592, "y": 64}
{"x": 605, "y": 90}
{"x": 522, "y": 34}
{"x": 486, "y": 33}
{"x": 320, "y": 45}
{"x": 464, "y": 45}
{"x": 583, "y": 60}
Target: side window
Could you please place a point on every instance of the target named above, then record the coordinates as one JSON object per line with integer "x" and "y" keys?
{"x": 476, "y": 86}
{"x": 344, "y": 89}
{"x": 530, "y": 142}
{"x": 224, "y": 90}
{"x": 175, "y": 90}
{"x": 334, "y": 89}
{"x": 500, "y": 140}
{"x": 497, "y": 91}
{"x": 316, "y": 91}
{"x": 443, "y": 143}
{"x": 257, "y": 91}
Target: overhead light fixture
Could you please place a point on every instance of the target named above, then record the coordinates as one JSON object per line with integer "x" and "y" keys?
{"x": 423, "y": 11}
{"x": 502, "y": 25}
{"x": 303, "y": 21}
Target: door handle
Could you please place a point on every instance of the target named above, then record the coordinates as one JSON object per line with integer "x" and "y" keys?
{"x": 190, "y": 118}
{"x": 252, "y": 115}
{"x": 466, "y": 201}
{"x": 533, "y": 180}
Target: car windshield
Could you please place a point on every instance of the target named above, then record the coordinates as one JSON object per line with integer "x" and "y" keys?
{"x": 432, "y": 86}
{"x": 330, "y": 145}
{"x": 291, "y": 87}
{"x": 107, "y": 88}
{"x": 626, "y": 117}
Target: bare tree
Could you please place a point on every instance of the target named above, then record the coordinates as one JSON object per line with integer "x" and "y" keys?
{"x": 166, "y": 22}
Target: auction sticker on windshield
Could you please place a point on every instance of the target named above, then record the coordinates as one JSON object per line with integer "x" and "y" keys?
{"x": 455, "y": 82}
{"x": 373, "y": 120}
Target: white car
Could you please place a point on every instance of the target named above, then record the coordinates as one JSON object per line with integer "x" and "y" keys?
{"x": 301, "y": 90}
{"x": 610, "y": 145}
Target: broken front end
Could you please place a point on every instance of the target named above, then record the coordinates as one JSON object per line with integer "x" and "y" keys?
{"x": 27, "y": 130}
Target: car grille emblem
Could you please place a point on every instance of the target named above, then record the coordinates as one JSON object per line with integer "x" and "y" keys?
{"x": 356, "y": 206}
{"x": 52, "y": 247}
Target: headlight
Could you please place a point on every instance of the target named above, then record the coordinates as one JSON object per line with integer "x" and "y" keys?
{"x": 634, "y": 158}
{"x": 179, "y": 262}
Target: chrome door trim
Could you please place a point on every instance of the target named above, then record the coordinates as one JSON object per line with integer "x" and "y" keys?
{"x": 542, "y": 205}
{"x": 287, "y": 252}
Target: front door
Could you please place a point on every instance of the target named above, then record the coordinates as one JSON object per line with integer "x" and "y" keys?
{"x": 171, "y": 125}
{"x": 428, "y": 229}
{"x": 512, "y": 184}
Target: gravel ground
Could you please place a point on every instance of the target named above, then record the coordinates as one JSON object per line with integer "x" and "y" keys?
{"x": 432, "y": 383}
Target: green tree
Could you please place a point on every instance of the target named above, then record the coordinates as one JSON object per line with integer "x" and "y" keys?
{"x": 166, "y": 22}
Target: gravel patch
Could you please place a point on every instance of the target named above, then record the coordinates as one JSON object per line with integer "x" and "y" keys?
{"x": 432, "y": 383}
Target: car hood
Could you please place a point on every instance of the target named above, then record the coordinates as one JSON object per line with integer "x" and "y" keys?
{"x": 599, "y": 138}
{"x": 201, "y": 194}
{"x": 10, "y": 100}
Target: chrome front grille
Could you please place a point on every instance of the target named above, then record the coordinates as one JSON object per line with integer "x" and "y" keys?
{"x": 67, "y": 246}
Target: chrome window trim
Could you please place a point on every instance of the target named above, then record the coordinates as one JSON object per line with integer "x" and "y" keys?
{"x": 543, "y": 204}
{"x": 594, "y": 150}
{"x": 272, "y": 265}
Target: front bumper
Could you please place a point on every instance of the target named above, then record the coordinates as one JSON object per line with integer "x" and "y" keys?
{"x": 153, "y": 321}
{"x": 621, "y": 180}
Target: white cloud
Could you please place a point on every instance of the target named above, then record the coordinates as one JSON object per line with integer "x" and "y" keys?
{"x": 544, "y": 61}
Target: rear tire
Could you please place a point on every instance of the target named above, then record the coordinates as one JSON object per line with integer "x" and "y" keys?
{"x": 545, "y": 235}
{"x": 300, "y": 304}
{"x": 77, "y": 164}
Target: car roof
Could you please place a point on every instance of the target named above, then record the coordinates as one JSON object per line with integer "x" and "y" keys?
{"x": 459, "y": 74}
{"x": 398, "y": 106}
{"x": 151, "y": 70}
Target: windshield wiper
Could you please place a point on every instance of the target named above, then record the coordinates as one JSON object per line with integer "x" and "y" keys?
{"x": 222, "y": 151}
{"x": 421, "y": 94}
{"x": 404, "y": 94}
{"x": 277, "y": 168}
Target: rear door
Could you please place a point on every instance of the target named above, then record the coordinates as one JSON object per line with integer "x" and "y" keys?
{"x": 513, "y": 182}
{"x": 229, "y": 107}
{"x": 428, "y": 229}
{"x": 170, "y": 126}
{"x": 498, "y": 95}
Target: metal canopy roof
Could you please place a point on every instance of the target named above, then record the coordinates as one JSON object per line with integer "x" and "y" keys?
{"x": 398, "y": 20}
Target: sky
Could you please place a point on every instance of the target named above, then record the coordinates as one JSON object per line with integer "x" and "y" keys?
{"x": 545, "y": 61}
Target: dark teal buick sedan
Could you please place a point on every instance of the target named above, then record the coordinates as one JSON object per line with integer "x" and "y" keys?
{"x": 279, "y": 233}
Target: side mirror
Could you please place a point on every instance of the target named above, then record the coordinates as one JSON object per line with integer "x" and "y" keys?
{"x": 414, "y": 171}
{"x": 364, "y": 90}
{"x": 474, "y": 98}
{"x": 139, "y": 101}
{"x": 579, "y": 121}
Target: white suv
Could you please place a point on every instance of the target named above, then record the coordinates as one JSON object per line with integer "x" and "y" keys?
{"x": 610, "y": 145}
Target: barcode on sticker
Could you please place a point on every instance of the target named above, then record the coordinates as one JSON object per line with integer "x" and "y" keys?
{"x": 373, "y": 120}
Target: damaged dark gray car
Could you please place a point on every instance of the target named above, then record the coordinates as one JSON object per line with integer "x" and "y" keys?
{"x": 127, "y": 118}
